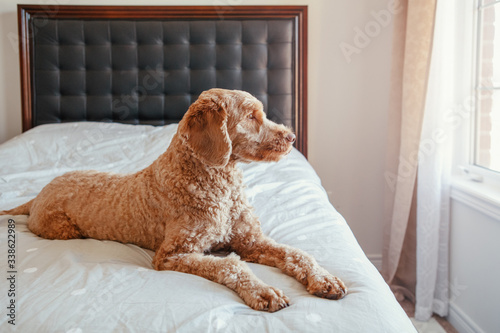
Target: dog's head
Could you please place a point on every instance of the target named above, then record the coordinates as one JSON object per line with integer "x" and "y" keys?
{"x": 224, "y": 125}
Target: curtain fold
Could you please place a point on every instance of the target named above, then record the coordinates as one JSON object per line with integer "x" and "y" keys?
{"x": 406, "y": 264}
{"x": 434, "y": 173}
{"x": 412, "y": 42}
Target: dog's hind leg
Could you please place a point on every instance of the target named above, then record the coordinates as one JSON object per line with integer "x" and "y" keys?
{"x": 53, "y": 225}
{"x": 229, "y": 271}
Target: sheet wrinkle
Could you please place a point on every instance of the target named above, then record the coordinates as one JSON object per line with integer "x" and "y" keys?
{"x": 103, "y": 285}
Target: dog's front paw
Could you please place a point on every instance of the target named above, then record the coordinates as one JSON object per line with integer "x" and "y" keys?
{"x": 326, "y": 286}
{"x": 265, "y": 298}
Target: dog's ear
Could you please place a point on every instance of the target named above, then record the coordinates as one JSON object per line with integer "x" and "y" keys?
{"x": 204, "y": 127}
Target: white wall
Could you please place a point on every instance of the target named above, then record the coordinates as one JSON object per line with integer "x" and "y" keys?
{"x": 10, "y": 97}
{"x": 475, "y": 214}
{"x": 348, "y": 113}
{"x": 348, "y": 99}
{"x": 474, "y": 267}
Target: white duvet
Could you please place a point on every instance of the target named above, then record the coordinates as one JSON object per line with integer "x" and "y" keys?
{"x": 103, "y": 286}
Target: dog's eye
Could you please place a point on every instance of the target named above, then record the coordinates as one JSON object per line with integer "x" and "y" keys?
{"x": 251, "y": 116}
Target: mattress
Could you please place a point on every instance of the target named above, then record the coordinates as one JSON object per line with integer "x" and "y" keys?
{"x": 87, "y": 285}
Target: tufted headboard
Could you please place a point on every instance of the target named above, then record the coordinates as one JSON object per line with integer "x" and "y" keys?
{"x": 147, "y": 64}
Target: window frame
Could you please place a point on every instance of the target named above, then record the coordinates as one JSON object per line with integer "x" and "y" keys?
{"x": 473, "y": 168}
{"x": 471, "y": 184}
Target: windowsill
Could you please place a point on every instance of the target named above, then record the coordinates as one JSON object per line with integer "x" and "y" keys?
{"x": 480, "y": 196}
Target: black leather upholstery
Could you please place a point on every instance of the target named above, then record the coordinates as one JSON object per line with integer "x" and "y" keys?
{"x": 149, "y": 72}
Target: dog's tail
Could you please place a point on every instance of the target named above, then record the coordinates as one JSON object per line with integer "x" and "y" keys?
{"x": 24, "y": 209}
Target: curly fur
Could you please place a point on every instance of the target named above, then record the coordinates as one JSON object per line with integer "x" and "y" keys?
{"x": 189, "y": 202}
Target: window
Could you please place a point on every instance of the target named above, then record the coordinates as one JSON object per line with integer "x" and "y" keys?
{"x": 486, "y": 131}
{"x": 476, "y": 140}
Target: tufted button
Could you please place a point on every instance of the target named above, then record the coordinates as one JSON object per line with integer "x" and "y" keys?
{"x": 149, "y": 72}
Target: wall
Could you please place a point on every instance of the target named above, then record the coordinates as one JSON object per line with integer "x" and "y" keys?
{"x": 475, "y": 207}
{"x": 348, "y": 98}
{"x": 474, "y": 265}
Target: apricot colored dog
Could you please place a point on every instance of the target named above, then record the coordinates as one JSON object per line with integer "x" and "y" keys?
{"x": 189, "y": 202}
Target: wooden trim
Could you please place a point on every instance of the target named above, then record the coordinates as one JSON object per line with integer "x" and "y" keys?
{"x": 301, "y": 113}
{"x": 189, "y": 12}
{"x": 25, "y": 63}
{"x": 299, "y": 13}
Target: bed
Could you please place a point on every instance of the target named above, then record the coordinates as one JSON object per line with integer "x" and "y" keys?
{"x": 103, "y": 88}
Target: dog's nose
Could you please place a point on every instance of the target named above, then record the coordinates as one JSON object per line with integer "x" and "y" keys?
{"x": 290, "y": 137}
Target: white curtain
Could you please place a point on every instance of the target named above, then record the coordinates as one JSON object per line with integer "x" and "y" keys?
{"x": 411, "y": 57}
{"x": 434, "y": 169}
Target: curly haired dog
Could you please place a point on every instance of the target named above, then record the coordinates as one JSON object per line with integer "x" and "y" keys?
{"x": 189, "y": 202}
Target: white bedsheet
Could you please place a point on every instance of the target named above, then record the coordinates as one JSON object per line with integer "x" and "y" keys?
{"x": 103, "y": 286}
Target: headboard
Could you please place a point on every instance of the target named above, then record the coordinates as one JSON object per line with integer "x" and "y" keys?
{"x": 147, "y": 64}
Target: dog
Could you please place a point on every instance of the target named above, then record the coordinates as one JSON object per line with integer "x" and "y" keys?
{"x": 189, "y": 202}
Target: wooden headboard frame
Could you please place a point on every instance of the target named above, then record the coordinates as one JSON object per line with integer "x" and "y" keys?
{"x": 297, "y": 13}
